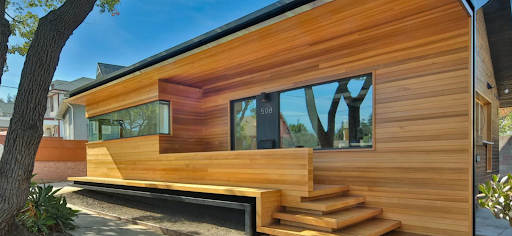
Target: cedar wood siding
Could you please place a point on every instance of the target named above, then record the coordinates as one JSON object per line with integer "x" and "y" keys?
{"x": 485, "y": 73}
{"x": 419, "y": 52}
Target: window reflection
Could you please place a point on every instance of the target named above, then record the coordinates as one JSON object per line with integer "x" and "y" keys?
{"x": 337, "y": 114}
{"x": 145, "y": 119}
{"x": 244, "y": 118}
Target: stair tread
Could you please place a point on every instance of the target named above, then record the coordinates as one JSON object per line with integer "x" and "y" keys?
{"x": 333, "y": 220}
{"x": 322, "y": 189}
{"x": 328, "y": 204}
{"x": 317, "y": 187}
{"x": 373, "y": 227}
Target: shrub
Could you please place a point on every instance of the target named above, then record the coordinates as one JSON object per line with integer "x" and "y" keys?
{"x": 496, "y": 196}
{"x": 45, "y": 212}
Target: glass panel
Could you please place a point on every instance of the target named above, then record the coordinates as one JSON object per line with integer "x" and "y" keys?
{"x": 163, "y": 125}
{"x": 337, "y": 114}
{"x": 244, "y": 117}
{"x": 146, "y": 119}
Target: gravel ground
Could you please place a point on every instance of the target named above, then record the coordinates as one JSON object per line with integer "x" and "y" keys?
{"x": 191, "y": 222}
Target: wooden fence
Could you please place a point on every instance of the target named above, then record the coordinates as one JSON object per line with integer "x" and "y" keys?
{"x": 58, "y": 149}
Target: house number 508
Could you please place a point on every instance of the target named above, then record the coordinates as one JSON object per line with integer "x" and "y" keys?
{"x": 267, "y": 110}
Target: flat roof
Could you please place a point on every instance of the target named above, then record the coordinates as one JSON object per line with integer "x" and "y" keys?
{"x": 245, "y": 22}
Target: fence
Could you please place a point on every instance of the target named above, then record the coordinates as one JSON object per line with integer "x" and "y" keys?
{"x": 58, "y": 159}
{"x": 57, "y": 149}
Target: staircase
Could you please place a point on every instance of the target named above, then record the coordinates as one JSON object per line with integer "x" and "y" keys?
{"x": 328, "y": 211}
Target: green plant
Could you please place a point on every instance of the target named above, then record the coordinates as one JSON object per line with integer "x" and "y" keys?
{"x": 496, "y": 196}
{"x": 45, "y": 212}
{"x": 32, "y": 182}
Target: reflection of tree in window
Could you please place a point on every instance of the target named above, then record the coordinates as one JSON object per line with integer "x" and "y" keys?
{"x": 320, "y": 109}
{"x": 130, "y": 122}
{"x": 245, "y": 124}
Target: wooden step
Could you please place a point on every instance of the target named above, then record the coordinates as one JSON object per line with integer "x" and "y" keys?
{"x": 323, "y": 189}
{"x": 372, "y": 227}
{"x": 327, "y": 204}
{"x": 334, "y": 220}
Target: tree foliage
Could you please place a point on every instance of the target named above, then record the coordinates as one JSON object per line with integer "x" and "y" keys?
{"x": 41, "y": 41}
{"x": 11, "y": 98}
{"x": 496, "y": 196}
{"x": 505, "y": 121}
{"x": 23, "y": 17}
{"x": 301, "y": 136}
{"x": 243, "y": 140}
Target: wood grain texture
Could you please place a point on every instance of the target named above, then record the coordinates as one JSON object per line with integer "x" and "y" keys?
{"x": 419, "y": 172}
{"x": 485, "y": 74}
{"x": 139, "y": 159}
{"x": 419, "y": 51}
{"x": 131, "y": 97}
{"x": 187, "y": 121}
{"x": 267, "y": 200}
{"x": 498, "y": 27}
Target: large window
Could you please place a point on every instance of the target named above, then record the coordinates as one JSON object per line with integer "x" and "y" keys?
{"x": 337, "y": 114}
{"x": 244, "y": 128}
{"x": 146, "y": 119}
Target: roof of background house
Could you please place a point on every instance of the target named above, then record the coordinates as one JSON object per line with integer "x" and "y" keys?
{"x": 105, "y": 69}
{"x": 6, "y": 108}
{"x": 57, "y": 83}
{"x": 266, "y": 13}
{"x": 70, "y": 85}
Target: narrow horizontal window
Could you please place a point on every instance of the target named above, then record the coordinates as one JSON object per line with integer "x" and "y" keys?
{"x": 146, "y": 119}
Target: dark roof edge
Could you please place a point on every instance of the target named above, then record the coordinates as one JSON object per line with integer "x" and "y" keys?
{"x": 245, "y": 22}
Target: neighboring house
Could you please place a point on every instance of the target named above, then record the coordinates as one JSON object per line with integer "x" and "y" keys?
{"x": 390, "y": 98}
{"x": 71, "y": 121}
{"x": 52, "y": 127}
{"x": 105, "y": 69}
{"x": 6, "y": 110}
{"x": 4, "y": 124}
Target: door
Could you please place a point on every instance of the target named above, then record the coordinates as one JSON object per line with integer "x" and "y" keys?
{"x": 267, "y": 118}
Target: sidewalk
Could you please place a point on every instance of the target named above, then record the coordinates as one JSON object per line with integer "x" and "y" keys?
{"x": 487, "y": 225}
{"x": 57, "y": 185}
{"x": 91, "y": 224}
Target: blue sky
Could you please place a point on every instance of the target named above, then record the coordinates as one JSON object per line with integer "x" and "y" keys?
{"x": 142, "y": 29}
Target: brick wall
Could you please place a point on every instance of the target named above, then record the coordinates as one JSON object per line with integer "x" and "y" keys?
{"x": 505, "y": 155}
{"x": 56, "y": 171}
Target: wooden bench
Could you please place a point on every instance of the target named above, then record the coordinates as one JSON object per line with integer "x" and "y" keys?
{"x": 267, "y": 200}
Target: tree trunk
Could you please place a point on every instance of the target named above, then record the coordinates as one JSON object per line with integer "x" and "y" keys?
{"x": 25, "y": 129}
{"x": 5, "y": 32}
{"x": 353, "y": 122}
{"x": 316, "y": 123}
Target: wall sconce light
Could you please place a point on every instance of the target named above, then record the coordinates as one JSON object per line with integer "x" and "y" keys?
{"x": 263, "y": 96}
{"x": 505, "y": 90}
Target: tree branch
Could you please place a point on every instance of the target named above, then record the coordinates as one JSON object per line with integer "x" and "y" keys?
{"x": 312, "y": 111}
{"x": 5, "y": 32}
{"x": 25, "y": 129}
